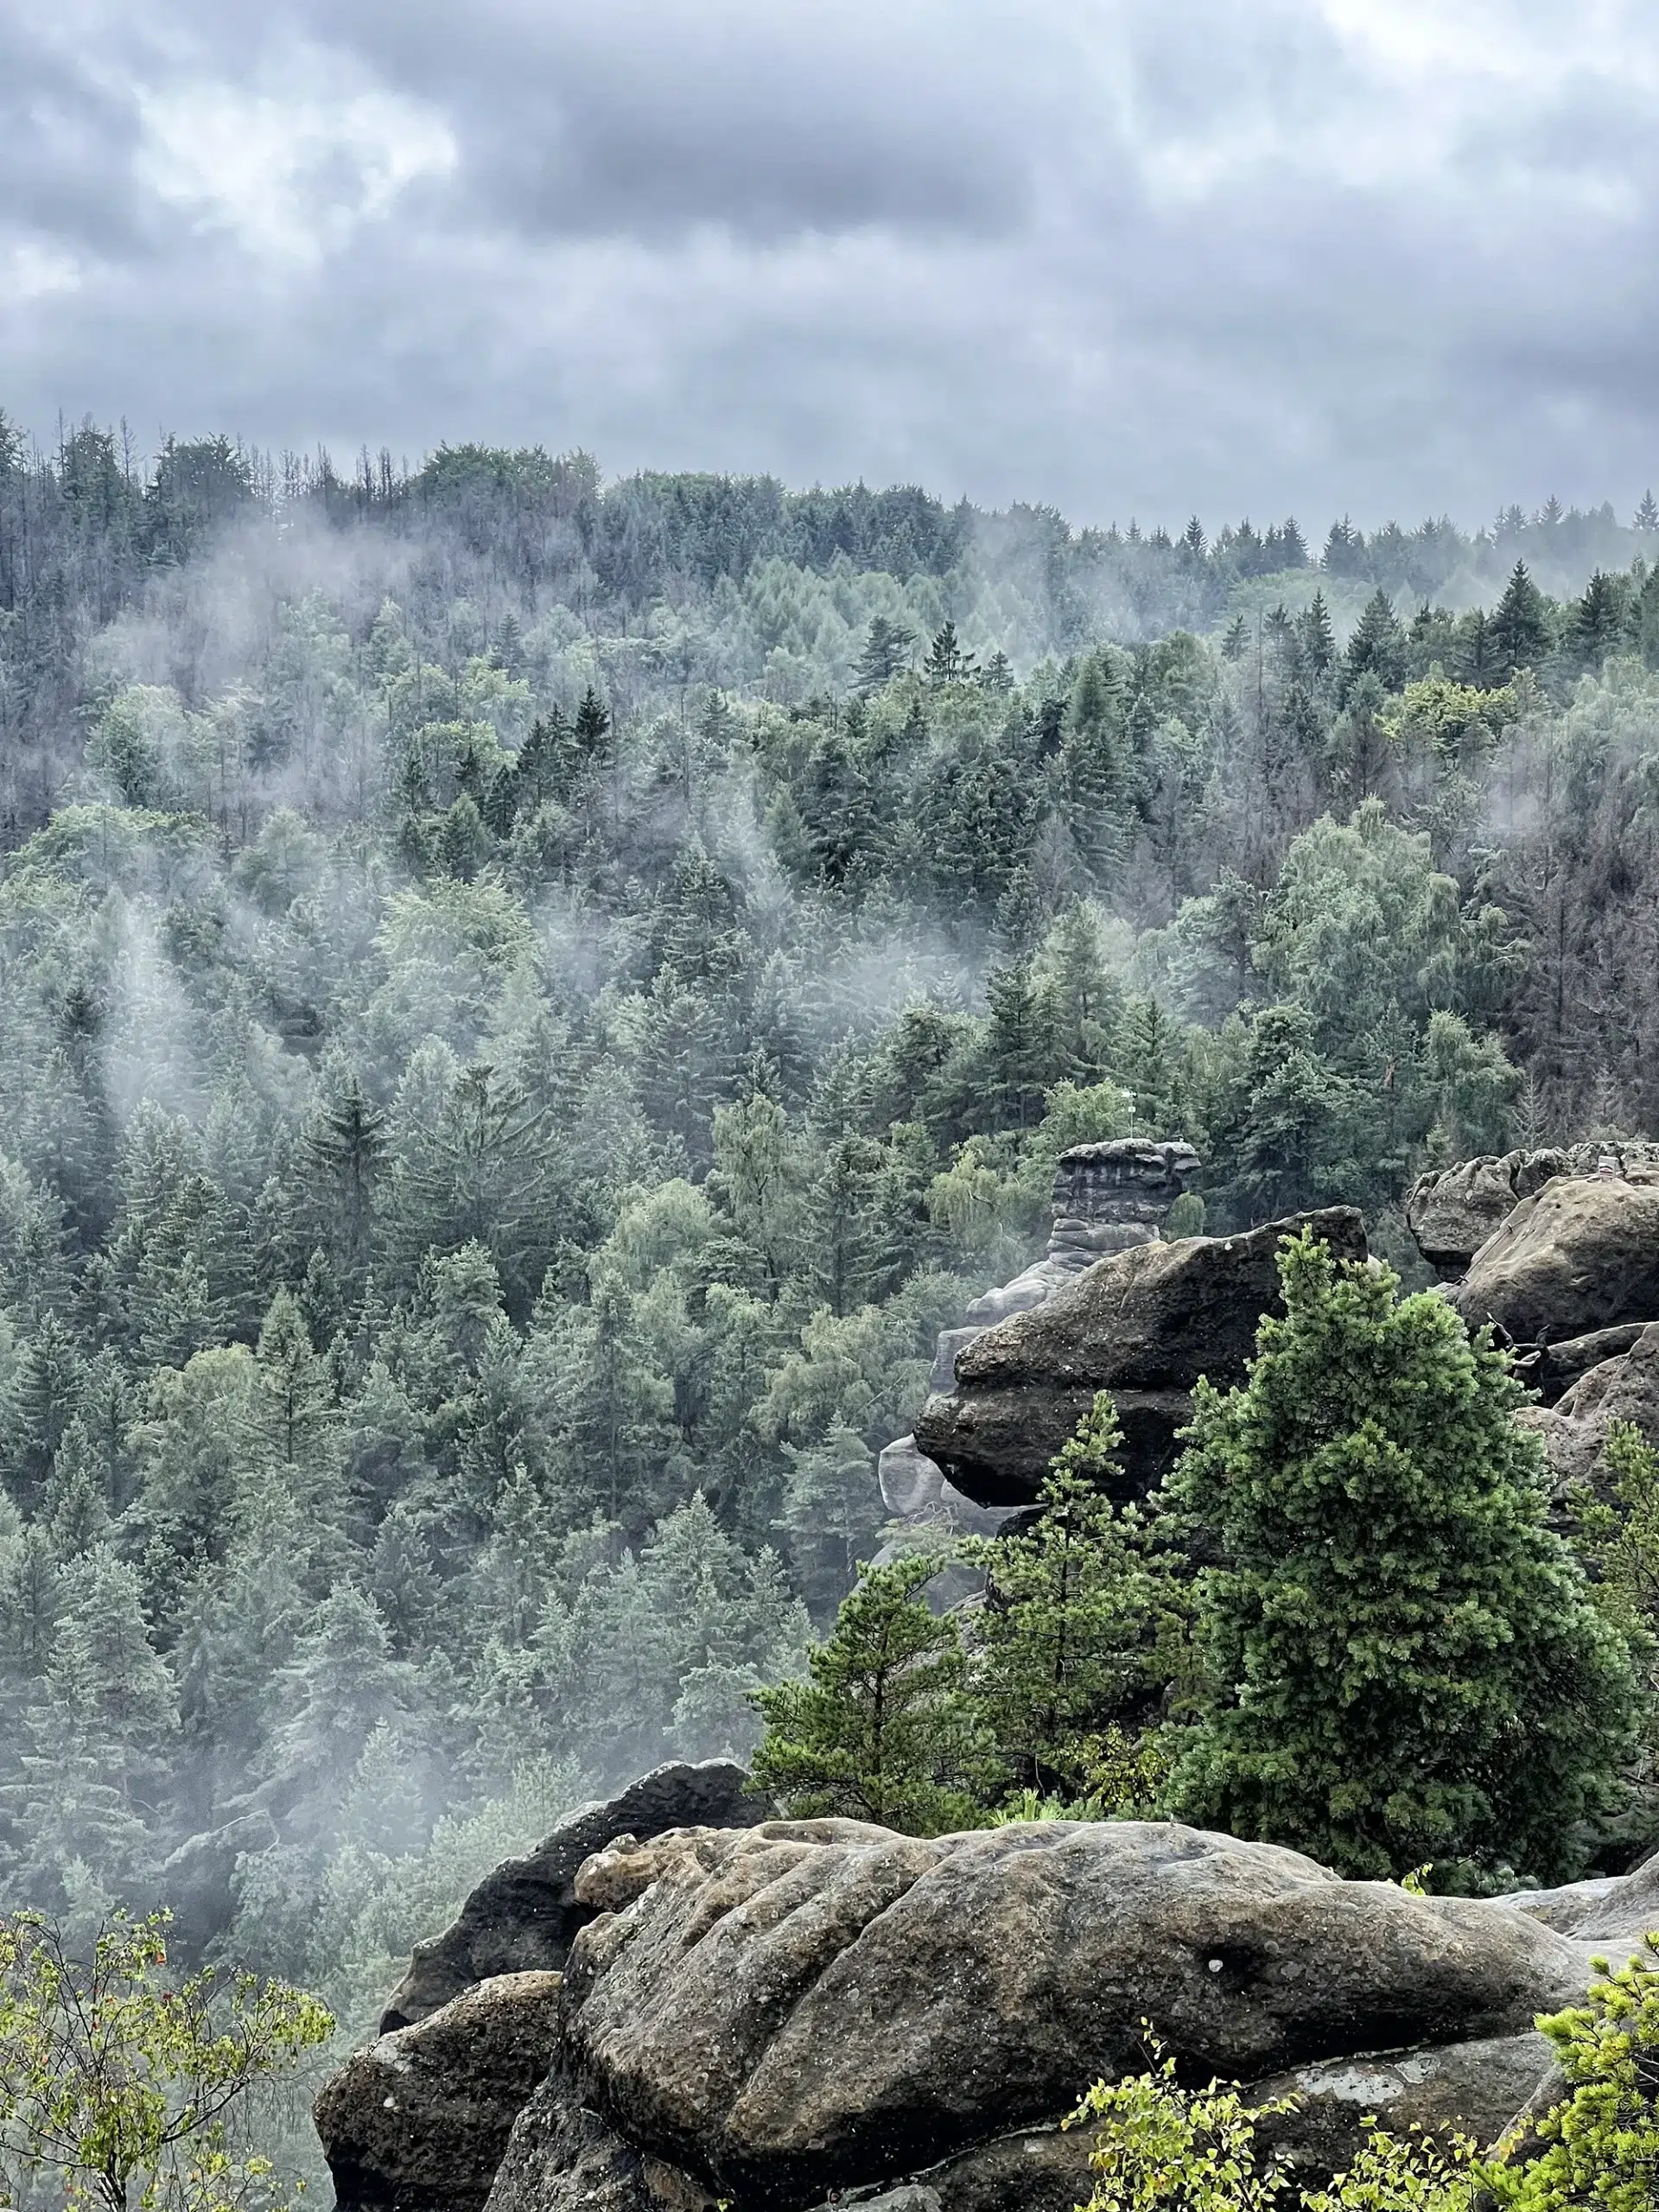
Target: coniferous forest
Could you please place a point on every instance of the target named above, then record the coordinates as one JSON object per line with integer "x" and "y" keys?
{"x": 526, "y": 1003}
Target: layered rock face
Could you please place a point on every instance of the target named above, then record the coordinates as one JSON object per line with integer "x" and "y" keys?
{"x": 525, "y": 1914}
{"x": 1144, "y": 1323}
{"x": 418, "y": 2122}
{"x": 818, "y": 2005}
{"x": 1108, "y": 1199}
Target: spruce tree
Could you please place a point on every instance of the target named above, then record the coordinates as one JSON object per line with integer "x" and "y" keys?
{"x": 1399, "y": 1662}
{"x": 881, "y": 1729}
{"x": 1520, "y": 624}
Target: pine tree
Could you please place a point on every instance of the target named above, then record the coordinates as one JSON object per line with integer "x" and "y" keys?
{"x": 294, "y": 1377}
{"x": 881, "y": 1731}
{"x": 1377, "y": 647}
{"x": 1083, "y": 1621}
{"x": 1399, "y": 1662}
{"x": 1598, "y": 619}
{"x": 1647, "y": 515}
{"x": 592, "y": 727}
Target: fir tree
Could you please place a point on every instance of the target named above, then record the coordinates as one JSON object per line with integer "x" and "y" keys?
{"x": 1399, "y": 1662}
{"x": 946, "y": 662}
{"x": 886, "y": 650}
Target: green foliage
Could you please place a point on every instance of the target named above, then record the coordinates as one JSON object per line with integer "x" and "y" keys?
{"x": 1161, "y": 2145}
{"x": 881, "y": 1729}
{"x": 1601, "y": 2141}
{"x": 120, "y": 2083}
{"x": 1399, "y": 1661}
{"x": 1082, "y": 1624}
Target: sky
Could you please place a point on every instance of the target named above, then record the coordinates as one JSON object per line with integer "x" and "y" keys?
{"x": 1140, "y": 259}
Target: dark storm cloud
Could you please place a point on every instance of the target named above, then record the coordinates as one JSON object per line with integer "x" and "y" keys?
{"x": 1321, "y": 254}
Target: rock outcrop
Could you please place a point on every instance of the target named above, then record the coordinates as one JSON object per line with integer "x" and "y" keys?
{"x": 821, "y": 2004}
{"x": 1579, "y": 1255}
{"x": 1108, "y": 1199}
{"x": 418, "y": 2121}
{"x": 1623, "y": 1388}
{"x": 1144, "y": 1323}
{"x": 1452, "y": 1212}
{"x": 525, "y": 1914}
{"x": 815, "y": 2011}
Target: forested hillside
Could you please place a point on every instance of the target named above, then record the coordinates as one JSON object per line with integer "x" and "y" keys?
{"x": 527, "y": 1004}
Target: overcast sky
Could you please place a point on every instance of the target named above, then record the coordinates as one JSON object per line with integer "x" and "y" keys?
{"x": 1386, "y": 255}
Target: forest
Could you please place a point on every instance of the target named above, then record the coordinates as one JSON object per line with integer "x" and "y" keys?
{"x": 526, "y": 1003}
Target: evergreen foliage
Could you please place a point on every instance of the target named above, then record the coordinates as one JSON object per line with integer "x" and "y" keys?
{"x": 880, "y": 1730}
{"x": 1399, "y": 1662}
{"x": 1082, "y": 1624}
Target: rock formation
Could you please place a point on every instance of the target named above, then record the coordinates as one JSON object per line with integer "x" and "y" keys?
{"x": 1452, "y": 1212}
{"x": 1624, "y": 1388}
{"x": 1108, "y": 1199}
{"x": 418, "y": 2121}
{"x": 524, "y": 1916}
{"x": 1580, "y": 1254}
{"x": 1145, "y": 1324}
{"x": 776, "y": 2015}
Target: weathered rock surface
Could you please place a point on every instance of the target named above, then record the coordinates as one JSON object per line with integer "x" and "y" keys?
{"x": 1475, "y": 2088}
{"x": 418, "y": 2121}
{"x": 812, "y": 2005}
{"x": 524, "y": 1915}
{"x": 563, "y": 2156}
{"x": 1145, "y": 1325}
{"x": 1623, "y": 1389}
{"x": 1451, "y": 1211}
{"x": 1609, "y": 1908}
{"x": 1577, "y": 1256}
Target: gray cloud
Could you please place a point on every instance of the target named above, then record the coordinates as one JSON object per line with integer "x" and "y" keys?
{"x": 1318, "y": 254}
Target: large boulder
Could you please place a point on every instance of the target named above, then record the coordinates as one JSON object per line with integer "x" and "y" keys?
{"x": 1623, "y": 1388}
{"x": 815, "y": 2006}
{"x": 524, "y": 1915}
{"x": 1143, "y": 1323}
{"x": 1580, "y": 1256}
{"x": 418, "y": 2121}
{"x": 1451, "y": 1211}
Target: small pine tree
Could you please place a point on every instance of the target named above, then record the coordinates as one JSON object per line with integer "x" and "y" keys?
{"x": 1399, "y": 1661}
{"x": 1082, "y": 1622}
{"x": 881, "y": 1730}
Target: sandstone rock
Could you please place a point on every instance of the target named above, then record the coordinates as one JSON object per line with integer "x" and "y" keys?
{"x": 1578, "y": 1256}
{"x": 1452, "y": 1212}
{"x": 1552, "y": 1369}
{"x": 523, "y": 1915}
{"x": 1612, "y": 1909}
{"x": 1473, "y": 2088}
{"x": 1625, "y": 1388}
{"x": 563, "y": 2157}
{"x": 1145, "y": 1325}
{"x": 418, "y": 2121}
{"x": 810, "y": 2007}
